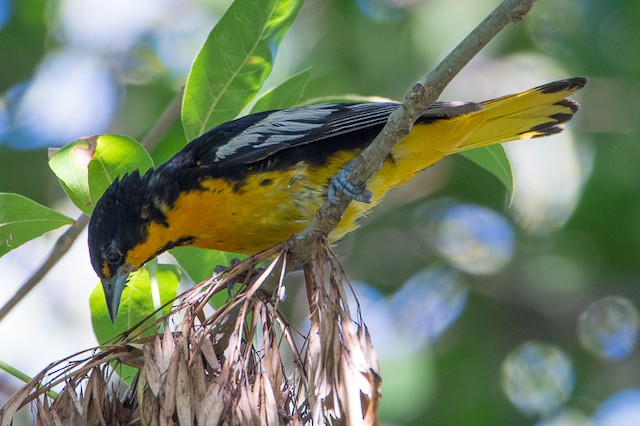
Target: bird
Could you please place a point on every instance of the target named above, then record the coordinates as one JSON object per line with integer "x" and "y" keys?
{"x": 253, "y": 182}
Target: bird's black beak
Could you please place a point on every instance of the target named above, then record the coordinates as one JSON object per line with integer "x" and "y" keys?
{"x": 113, "y": 288}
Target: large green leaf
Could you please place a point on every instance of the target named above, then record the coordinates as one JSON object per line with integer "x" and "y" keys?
{"x": 86, "y": 167}
{"x": 136, "y": 305}
{"x": 22, "y": 220}
{"x": 234, "y": 62}
{"x": 494, "y": 160}
{"x": 287, "y": 94}
{"x": 199, "y": 264}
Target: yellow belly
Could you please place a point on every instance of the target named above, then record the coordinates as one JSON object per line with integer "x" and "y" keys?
{"x": 268, "y": 209}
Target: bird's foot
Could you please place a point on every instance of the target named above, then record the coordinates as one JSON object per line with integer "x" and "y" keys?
{"x": 340, "y": 184}
{"x": 247, "y": 276}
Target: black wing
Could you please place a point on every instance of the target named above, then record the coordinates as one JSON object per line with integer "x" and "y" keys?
{"x": 276, "y": 135}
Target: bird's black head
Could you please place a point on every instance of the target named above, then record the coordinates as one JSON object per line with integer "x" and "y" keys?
{"x": 117, "y": 225}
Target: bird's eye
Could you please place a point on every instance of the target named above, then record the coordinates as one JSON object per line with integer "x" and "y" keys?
{"x": 113, "y": 256}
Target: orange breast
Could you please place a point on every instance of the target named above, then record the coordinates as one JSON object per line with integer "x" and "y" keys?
{"x": 270, "y": 206}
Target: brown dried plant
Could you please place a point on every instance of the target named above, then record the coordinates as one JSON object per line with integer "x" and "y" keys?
{"x": 242, "y": 364}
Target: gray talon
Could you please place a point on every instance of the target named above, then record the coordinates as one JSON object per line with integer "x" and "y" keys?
{"x": 340, "y": 184}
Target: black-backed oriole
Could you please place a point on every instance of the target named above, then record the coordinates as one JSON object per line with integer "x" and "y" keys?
{"x": 253, "y": 182}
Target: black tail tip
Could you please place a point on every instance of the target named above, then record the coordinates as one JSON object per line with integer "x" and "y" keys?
{"x": 570, "y": 84}
{"x": 569, "y": 103}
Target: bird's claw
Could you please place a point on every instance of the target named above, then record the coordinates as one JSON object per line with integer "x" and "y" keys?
{"x": 241, "y": 278}
{"x": 340, "y": 184}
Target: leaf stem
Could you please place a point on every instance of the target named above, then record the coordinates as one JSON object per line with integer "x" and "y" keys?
{"x": 22, "y": 376}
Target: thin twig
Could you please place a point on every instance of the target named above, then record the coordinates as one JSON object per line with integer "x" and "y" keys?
{"x": 164, "y": 123}
{"x": 66, "y": 240}
{"x": 62, "y": 245}
{"x": 422, "y": 95}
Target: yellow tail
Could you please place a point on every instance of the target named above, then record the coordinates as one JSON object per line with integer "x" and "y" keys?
{"x": 537, "y": 112}
{"x": 533, "y": 113}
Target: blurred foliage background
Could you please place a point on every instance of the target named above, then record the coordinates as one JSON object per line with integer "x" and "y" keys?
{"x": 483, "y": 311}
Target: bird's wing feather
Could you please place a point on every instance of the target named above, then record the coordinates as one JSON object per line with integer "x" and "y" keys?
{"x": 255, "y": 137}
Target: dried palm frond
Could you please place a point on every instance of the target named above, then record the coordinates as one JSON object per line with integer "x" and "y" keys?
{"x": 242, "y": 364}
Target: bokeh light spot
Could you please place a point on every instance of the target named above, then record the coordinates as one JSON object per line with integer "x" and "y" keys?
{"x": 609, "y": 328}
{"x": 475, "y": 239}
{"x": 567, "y": 417}
{"x": 537, "y": 378}
{"x": 416, "y": 315}
{"x": 5, "y": 12}
{"x": 620, "y": 409}
{"x": 377, "y": 314}
{"x": 110, "y": 26}
{"x": 71, "y": 95}
{"x": 382, "y": 10}
{"x": 177, "y": 41}
{"x": 548, "y": 177}
{"x": 428, "y": 303}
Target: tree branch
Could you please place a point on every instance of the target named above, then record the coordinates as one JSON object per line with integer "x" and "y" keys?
{"x": 422, "y": 95}
{"x": 66, "y": 240}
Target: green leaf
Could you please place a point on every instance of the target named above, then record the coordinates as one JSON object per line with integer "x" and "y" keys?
{"x": 199, "y": 263}
{"x": 22, "y": 220}
{"x": 286, "y": 95}
{"x": 137, "y": 301}
{"x": 136, "y": 305}
{"x": 234, "y": 62}
{"x": 86, "y": 167}
{"x": 70, "y": 164}
{"x": 114, "y": 156}
{"x": 494, "y": 160}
